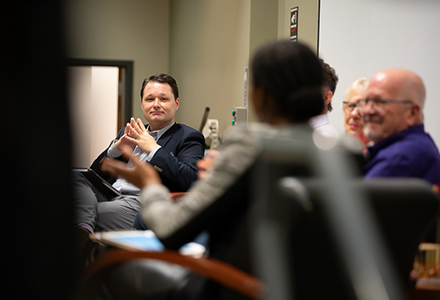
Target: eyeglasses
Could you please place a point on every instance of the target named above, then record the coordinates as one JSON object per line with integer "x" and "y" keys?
{"x": 348, "y": 106}
{"x": 379, "y": 104}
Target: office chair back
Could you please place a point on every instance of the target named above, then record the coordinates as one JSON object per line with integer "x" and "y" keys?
{"x": 322, "y": 234}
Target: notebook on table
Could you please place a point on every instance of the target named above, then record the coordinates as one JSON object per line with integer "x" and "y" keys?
{"x": 143, "y": 240}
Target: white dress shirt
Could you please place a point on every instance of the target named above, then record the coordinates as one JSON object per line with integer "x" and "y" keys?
{"x": 123, "y": 185}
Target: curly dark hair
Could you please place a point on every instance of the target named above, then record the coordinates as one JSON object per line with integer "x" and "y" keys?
{"x": 291, "y": 75}
{"x": 330, "y": 79}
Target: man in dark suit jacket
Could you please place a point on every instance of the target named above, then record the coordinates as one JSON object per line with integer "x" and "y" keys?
{"x": 175, "y": 161}
{"x": 172, "y": 149}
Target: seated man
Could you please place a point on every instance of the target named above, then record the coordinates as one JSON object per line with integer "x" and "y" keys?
{"x": 393, "y": 115}
{"x": 172, "y": 149}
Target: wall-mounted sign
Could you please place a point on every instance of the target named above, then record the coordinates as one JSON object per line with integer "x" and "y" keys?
{"x": 294, "y": 24}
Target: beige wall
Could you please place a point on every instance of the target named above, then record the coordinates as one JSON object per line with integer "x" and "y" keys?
{"x": 211, "y": 44}
{"x": 209, "y": 51}
{"x": 204, "y": 44}
{"x": 264, "y": 23}
{"x": 212, "y": 41}
{"x": 136, "y": 30}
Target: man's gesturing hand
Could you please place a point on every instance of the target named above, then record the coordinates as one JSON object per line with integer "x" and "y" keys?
{"x": 136, "y": 135}
{"x": 126, "y": 139}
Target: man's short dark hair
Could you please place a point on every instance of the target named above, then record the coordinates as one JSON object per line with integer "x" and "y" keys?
{"x": 161, "y": 78}
{"x": 330, "y": 79}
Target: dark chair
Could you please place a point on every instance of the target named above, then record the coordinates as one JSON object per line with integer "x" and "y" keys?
{"x": 231, "y": 277}
{"x": 403, "y": 211}
{"x": 332, "y": 235}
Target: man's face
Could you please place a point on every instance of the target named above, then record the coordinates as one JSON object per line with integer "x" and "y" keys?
{"x": 383, "y": 122}
{"x": 159, "y": 105}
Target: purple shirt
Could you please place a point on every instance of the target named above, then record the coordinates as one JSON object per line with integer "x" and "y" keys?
{"x": 409, "y": 153}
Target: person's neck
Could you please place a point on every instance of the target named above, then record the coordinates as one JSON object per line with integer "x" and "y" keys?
{"x": 277, "y": 121}
{"x": 158, "y": 127}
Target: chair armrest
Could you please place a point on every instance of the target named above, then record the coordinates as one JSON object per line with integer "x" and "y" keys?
{"x": 94, "y": 275}
{"x": 177, "y": 195}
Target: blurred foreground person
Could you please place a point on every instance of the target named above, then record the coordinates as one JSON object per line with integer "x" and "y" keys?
{"x": 287, "y": 82}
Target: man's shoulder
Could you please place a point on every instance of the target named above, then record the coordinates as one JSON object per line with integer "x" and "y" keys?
{"x": 319, "y": 120}
{"x": 182, "y": 133}
{"x": 321, "y": 124}
{"x": 413, "y": 147}
{"x": 418, "y": 141}
{"x": 411, "y": 155}
{"x": 184, "y": 127}
{"x": 184, "y": 130}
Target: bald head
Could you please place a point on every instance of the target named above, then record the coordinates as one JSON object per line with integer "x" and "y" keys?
{"x": 402, "y": 84}
{"x": 394, "y": 87}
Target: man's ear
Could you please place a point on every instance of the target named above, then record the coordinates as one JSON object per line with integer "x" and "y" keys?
{"x": 177, "y": 103}
{"x": 328, "y": 96}
{"x": 414, "y": 115}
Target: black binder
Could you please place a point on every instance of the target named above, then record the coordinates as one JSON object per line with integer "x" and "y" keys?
{"x": 103, "y": 186}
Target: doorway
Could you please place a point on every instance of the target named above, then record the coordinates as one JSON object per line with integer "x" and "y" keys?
{"x": 100, "y": 97}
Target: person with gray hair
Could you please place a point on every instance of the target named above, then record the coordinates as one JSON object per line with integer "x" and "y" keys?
{"x": 393, "y": 116}
{"x": 353, "y": 120}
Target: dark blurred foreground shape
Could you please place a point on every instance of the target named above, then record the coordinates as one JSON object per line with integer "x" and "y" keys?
{"x": 36, "y": 193}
